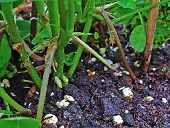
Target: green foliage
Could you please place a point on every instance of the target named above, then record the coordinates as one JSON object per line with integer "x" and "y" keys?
{"x": 128, "y": 4}
{"x": 96, "y": 35}
{"x": 5, "y": 1}
{"x": 17, "y": 3}
{"x": 45, "y": 33}
{"x": 24, "y": 27}
{"x": 138, "y": 38}
{"x": 5, "y": 55}
{"x": 68, "y": 59}
{"x": 163, "y": 26}
{"x": 19, "y": 122}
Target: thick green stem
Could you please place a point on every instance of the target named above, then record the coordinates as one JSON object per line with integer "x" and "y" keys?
{"x": 80, "y": 48}
{"x": 14, "y": 34}
{"x": 59, "y": 56}
{"x": 14, "y": 104}
{"x": 12, "y": 28}
{"x": 62, "y": 12}
{"x": 54, "y": 17}
{"x": 70, "y": 18}
{"x": 40, "y": 8}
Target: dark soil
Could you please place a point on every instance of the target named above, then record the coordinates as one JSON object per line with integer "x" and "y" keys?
{"x": 98, "y": 97}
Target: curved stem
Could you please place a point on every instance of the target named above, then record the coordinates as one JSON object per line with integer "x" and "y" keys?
{"x": 13, "y": 103}
{"x": 114, "y": 33}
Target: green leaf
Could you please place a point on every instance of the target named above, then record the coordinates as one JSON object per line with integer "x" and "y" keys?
{"x": 35, "y": 40}
{"x": 96, "y": 35}
{"x": 24, "y": 27}
{"x": 44, "y": 33}
{"x": 17, "y": 3}
{"x": 5, "y": 55}
{"x": 5, "y": 1}
{"x": 19, "y": 122}
{"x": 68, "y": 59}
{"x": 98, "y": 16}
{"x": 128, "y": 4}
{"x": 138, "y": 38}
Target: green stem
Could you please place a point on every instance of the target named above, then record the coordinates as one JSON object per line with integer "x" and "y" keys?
{"x": 15, "y": 36}
{"x": 141, "y": 19}
{"x": 138, "y": 10}
{"x": 59, "y": 56}
{"x": 12, "y": 28}
{"x": 14, "y": 104}
{"x": 45, "y": 83}
{"x": 80, "y": 48}
{"x": 92, "y": 51}
{"x": 70, "y": 18}
{"x": 40, "y": 8}
{"x": 54, "y": 16}
{"x": 33, "y": 28}
{"x": 62, "y": 12}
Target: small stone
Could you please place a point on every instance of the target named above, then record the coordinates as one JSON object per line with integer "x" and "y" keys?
{"x": 153, "y": 69}
{"x": 164, "y": 100}
{"x": 105, "y": 68}
{"x": 102, "y": 80}
{"x": 52, "y": 94}
{"x": 117, "y": 120}
{"x": 2, "y": 85}
{"x": 62, "y": 126}
{"x": 148, "y": 98}
{"x": 50, "y": 118}
{"x": 109, "y": 61}
{"x": 69, "y": 98}
{"x": 93, "y": 59}
{"x": 128, "y": 118}
{"x": 127, "y": 93}
{"x": 141, "y": 81}
{"x": 63, "y": 104}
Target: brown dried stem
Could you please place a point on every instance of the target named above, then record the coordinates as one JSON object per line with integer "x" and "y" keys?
{"x": 150, "y": 30}
{"x": 114, "y": 33}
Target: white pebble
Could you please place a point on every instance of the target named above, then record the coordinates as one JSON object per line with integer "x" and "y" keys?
{"x": 62, "y": 126}
{"x": 148, "y": 98}
{"x": 115, "y": 49}
{"x": 141, "y": 81}
{"x": 2, "y": 85}
{"x": 63, "y": 104}
{"x": 93, "y": 59}
{"x": 127, "y": 93}
{"x": 117, "y": 120}
{"x": 52, "y": 94}
{"x": 105, "y": 68}
{"x": 164, "y": 100}
{"x": 50, "y": 118}
{"x": 153, "y": 69}
{"x": 69, "y": 98}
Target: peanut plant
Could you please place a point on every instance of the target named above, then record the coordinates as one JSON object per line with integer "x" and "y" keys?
{"x": 52, "y": 27}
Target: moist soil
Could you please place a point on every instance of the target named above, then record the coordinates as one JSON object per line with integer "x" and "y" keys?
{"x": 99, "y": 97}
